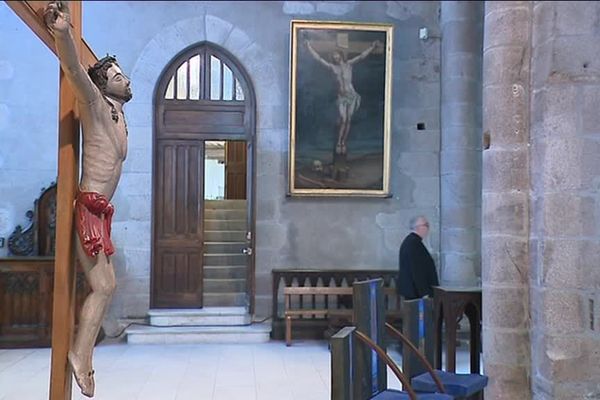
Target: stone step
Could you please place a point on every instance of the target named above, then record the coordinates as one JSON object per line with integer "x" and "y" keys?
{"x": 224, "y": 247}
{"x": 225, "y": 259}
{"x": 224, "y": 272}
{"x": 225, "y": 213}
{"x": 225, "y": 225}
{"x": 208, "y": 316}
{"x": 224, "y": 299}
{"x": 224, "y": 285}
{"x": 255, "y": 333}
{"x": 224, "y": 236}
{"x": 224, "y": 204}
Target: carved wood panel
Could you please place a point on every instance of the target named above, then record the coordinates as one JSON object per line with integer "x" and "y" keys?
{"x": 26, "y": 296}
{"x": 178, "y": 229}
{"x": 235, "y": 170}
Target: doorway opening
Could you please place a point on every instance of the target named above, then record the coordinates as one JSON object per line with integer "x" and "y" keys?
{"x": 225, "y": 223}
{"x": 203, "y": 183}
{"x": 225, "y": 170}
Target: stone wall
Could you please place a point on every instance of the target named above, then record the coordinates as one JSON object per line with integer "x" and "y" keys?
{"x": 28, "y": 121}
{"x": 505, "y": 200}
{"x": 540, "y": 241}
{"x": 460, "y": 156}
{"x": 290, "y": 232}
{"x": 565, "y": 200}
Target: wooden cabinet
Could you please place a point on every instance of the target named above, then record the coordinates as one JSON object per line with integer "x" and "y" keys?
{"x": 27, "y": 279}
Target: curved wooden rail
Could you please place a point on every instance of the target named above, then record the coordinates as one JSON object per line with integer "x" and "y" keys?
{"x": 397, "y": 334}
{"x": 389, "y": 362}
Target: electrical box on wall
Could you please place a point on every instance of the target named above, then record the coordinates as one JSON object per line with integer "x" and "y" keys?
{"x": 423, "y": 33}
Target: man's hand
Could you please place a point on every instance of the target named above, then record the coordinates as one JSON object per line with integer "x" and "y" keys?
{"x": 57, "y": 16}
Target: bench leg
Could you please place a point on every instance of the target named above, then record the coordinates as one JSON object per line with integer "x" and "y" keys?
{"x": 288, "y": 331}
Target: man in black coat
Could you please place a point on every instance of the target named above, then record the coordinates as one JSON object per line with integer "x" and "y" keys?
{"x": 417, "y": 269}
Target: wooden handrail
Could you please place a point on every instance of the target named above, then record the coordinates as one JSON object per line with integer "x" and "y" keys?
{"x": 388, "y": 361}
{"x": 396, "y": 333}
{"x": 300, "y": 290}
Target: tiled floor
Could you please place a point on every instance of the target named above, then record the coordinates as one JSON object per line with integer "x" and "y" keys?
{"x": 266, "y": 371}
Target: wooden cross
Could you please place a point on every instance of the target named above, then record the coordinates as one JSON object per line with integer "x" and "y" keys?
{"x": 31, "y": 12}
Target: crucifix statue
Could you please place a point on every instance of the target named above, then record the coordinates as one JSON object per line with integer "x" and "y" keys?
{"x": 101, "y": 92}
{"x": 63, "y": 307}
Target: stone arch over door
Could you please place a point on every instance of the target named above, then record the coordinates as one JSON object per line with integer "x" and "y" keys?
{"x": 263, "y": 66}
{"x": 204, "y": 94}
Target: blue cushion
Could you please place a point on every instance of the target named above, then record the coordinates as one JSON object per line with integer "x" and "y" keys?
{"x": 458, "y": 385}
{"x": 391, "y": 394}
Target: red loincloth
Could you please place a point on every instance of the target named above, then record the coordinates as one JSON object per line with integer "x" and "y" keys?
{"x": 93, "y": 230}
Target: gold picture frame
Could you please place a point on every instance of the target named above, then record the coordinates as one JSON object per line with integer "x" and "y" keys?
{"x": 340, "y": 108}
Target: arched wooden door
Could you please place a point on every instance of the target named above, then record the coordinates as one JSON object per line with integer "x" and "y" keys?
{"x": 203, "y": 95}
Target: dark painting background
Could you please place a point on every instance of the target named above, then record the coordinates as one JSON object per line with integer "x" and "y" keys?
{"x": 317, "y": 114}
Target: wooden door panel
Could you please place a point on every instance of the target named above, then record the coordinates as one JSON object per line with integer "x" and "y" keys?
{"x": 179, "y": 278}
{"x": 179, "y": 190}
{"x": 178, "y": 236}
{"x": 235, "y": 170}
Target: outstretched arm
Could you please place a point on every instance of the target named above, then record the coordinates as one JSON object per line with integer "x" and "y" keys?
{"x": 58, "y": 19}
{"x": 316, "y": 55}
{"x": 365, "y": 53}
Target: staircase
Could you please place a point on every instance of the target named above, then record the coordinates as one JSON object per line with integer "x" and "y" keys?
{"x": 225, "y": 265}
{"x": 224, "y": 318}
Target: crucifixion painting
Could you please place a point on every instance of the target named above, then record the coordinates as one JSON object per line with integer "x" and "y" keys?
{"x": 340, "y": 108}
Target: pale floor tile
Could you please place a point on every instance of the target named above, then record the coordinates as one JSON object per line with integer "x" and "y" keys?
{"x": 195, "y": 393}
{"x": 266, "y": 371}
{"x": 274, "y": 390}
{"x": 9, "y": 357}
{"x": 235, "y": 392}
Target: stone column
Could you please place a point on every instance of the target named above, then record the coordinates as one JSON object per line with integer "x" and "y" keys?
{"x": 505, "y": 199}
{"x": 460, "y": 166}
{"x": 565, "y": 199}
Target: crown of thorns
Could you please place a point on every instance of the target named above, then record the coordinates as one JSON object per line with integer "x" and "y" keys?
{"x": 98, "y": 72}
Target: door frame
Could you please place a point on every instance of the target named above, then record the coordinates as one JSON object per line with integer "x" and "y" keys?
{"x": 160, "y": 105}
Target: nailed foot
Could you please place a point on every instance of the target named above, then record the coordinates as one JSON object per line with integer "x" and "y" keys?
{"x": 83, "y": 377}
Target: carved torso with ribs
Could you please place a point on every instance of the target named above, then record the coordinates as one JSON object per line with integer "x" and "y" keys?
{"x": 104, "y": 148}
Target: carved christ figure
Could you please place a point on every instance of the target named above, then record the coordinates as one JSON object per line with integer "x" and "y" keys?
{"x": 101, "y": 92}
{"x": 348, "y": 100}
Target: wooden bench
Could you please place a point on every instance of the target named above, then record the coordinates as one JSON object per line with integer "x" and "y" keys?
{"x": 335, "y": 316}
{"x": 313, "y": 326}
{"x": 309, "y": 312}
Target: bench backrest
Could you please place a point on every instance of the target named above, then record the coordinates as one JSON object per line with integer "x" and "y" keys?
{"x": 38, "y": 239}
{"x": 319, "y": 290}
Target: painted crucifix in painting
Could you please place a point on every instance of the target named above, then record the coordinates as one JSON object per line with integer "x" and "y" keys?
{"x": 348, "y": 100}
{"x": 101, "y": 92}
{"x": 340, "y": 109}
